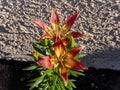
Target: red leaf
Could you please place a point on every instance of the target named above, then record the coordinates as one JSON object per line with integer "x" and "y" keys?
{"x": 69, "y": 22}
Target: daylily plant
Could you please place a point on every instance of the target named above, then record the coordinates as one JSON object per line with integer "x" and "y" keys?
{"x": 56, "y": 55}
{"x": 63, "y": 59}
{"x": 57, "y": 30}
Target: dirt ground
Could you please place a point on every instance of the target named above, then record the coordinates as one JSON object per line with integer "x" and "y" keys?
{"x": 13, "y": 78}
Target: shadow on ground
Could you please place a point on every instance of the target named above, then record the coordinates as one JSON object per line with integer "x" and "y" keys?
{"x": 108, "y": 58}
{"x": 102, "y": 79}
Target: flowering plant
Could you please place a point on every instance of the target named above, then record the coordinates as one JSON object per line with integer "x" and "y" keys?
{"x": 56, "y": 55}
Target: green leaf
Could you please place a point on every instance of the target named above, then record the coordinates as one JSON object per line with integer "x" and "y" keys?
{"x": 37, "y": 82}
{"x": 58, "y": 87}
{"x": 76, "y": 73}
{"x": 54, "y": 79}
{"x": 71, "y": 85}
{"x": 38, "y": 48}
{"x": 46, "y": 42}
{"x": 49, "y": 71}
{"x": 50, "y": 42}
{"x": 79, "y": 56}
{"x": 49, "y": 52}
{"x": 43, "y": 42}
{"x": 61, "y": 83}
{"x": 35, "y": 79}
{"x": 71, "y": 43}
{"x": 51, "y": 87}
{"x": 46, "y": 86}
{"x": 30, "y": 68}
{"x": 40, "y": 69}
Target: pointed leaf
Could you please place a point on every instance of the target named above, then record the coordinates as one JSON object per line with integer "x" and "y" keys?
{"x": 71, "y": 85}
{"x": 64, "y": 74}
{"x": 45, "y": 27}
{"x": 54, "y": 17}
{"x": 55, "y": 21}
{"x": 74, "y": 65}
{"x": 43, "y": 42}
{"x": 45, "y": 35}
{"x": 68, "y": 23}
{"x": 77, "y": 57}
{"x": 61, "y": 83}
{"x": 37, "y": 48}
{"x": 72, "y": 53}
{"x": 71, "y": 43}
{"x": 50, "y": 43}
{"x": 76, "y": 73}
{"x": 45, "y": 61}
{"x": 75, "y": 35}
{"x": 59, "y": 48}
{"x": 54, "y": 80}
{"x": 45, "y": 87}
{"x": 30, "y": 68}
{"x": 41, "y": 24}
{"x": 37, "y": 82}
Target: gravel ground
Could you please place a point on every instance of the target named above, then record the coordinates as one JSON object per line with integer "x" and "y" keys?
{"x": 99, "y": 20}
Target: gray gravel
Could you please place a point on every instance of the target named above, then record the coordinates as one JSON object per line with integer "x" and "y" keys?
{"x": 99, "y": 20}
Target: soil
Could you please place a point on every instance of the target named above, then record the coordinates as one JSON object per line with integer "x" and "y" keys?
{"x": 13, "y": 78}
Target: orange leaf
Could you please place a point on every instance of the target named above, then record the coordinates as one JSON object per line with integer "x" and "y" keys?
{"x": 55, "y": 21}
{"x": 64, "y": 74}
{"x": 59, "y": 48}
{"x": 74, "y": 65}
{"x": 72, "y": 53}
{"x": 68, "y": 23}
{"x": 45, "y": 35}
{"x": 45, "y": 62}
{"x": 65, "y": 41}
{"x": 54, "y": 17}
{"x": 45, "y": 27}
{"x": 41, "y": 24}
